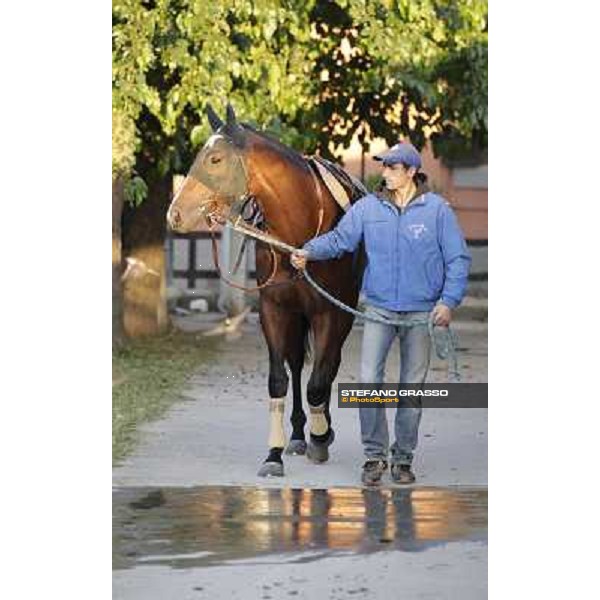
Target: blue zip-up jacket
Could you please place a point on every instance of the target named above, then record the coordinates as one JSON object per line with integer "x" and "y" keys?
{"x": 416, "y": 256}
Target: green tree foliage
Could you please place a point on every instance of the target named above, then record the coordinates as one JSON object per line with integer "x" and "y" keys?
{"x": 172, "y": 57}
{"x": 400, "y": 67}
{"x": 313, "y": 73}
{"x": 123, "y": 144}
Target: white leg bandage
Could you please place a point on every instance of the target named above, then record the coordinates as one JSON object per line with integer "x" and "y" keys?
{"x": 276, "y": 433}
{"x": 318, "y": 422}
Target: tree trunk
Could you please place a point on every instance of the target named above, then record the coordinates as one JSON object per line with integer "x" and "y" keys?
{"x": 118, "y": 334}
{"x": 145, "y": 297}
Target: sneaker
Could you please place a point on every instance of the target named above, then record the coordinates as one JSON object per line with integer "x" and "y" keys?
{"x": 372, "y": 471}
{"x": 402, "y": 474}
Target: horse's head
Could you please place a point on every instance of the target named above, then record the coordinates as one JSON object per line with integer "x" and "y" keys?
{"x": 216, "y": 179}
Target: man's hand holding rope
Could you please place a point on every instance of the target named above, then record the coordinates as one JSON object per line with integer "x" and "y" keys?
{"x": 298, "y": 259}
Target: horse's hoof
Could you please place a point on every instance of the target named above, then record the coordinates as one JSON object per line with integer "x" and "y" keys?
{"x": 296, "y": 447}
{"x": 271, "y": 469}
{"x": 318, "y": 452}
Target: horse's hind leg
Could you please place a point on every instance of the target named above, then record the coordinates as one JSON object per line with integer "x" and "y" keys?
{"x": 330, "y": 331}
{"x": 297, "y": 348}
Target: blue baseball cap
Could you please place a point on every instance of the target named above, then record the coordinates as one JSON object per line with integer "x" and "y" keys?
{"x": 404, "y": 153}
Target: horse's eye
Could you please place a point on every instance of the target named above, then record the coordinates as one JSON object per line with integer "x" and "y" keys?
{"x": 215, "y": 160}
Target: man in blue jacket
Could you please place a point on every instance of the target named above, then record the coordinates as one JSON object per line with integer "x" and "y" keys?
{"x": 418, "y": 263}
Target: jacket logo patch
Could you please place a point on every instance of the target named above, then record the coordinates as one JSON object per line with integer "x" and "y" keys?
{"x": 417, "y": 230}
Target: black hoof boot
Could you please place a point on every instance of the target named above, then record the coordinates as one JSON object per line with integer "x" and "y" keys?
{"x": 273, "y": 465}
{"x": 296, "y": 448}
{"x": 317, "y": 450}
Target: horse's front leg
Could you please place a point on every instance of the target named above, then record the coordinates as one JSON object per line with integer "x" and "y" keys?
{"x": 278, "y": 385}
{"x": 275, "y": 325}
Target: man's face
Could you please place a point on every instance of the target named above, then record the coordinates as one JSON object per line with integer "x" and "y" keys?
{"x": 397, "y": 176}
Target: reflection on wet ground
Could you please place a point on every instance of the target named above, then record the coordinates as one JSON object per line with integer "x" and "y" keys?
{"x": 191, "y": 527}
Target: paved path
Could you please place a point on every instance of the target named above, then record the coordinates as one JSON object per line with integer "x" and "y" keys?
{"x": 454, "y": 572}
{"x": 216, "y": 433}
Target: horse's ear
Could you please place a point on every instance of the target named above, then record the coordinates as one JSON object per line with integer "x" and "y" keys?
{"x": 231, "y": 118}
{"x": 233, "y": 129}
{"x": 213, "y": 118}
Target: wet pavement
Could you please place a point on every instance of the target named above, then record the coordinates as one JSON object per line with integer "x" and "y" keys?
{"x": 293, "y": 540}
{"x": 192, "y": 527}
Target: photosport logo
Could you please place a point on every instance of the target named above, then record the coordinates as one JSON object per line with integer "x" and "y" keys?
{"x": 428, "y": 395}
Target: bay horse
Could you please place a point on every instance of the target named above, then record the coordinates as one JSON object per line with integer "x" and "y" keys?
{"x": 238, "y": 163}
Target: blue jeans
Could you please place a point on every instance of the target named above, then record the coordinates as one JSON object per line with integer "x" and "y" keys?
{"x": 415, "y": 354}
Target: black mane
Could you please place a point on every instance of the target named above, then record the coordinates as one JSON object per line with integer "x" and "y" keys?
{"x": 354, "y": 188}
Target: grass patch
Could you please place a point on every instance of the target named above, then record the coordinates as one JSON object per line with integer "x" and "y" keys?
{"x": 147, "y": 374}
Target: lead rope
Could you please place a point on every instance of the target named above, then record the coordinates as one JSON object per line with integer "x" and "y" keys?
{"x": 444, "y": 339}
{"x": 215, "y": 255}
{"x": 252, "y": 231}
